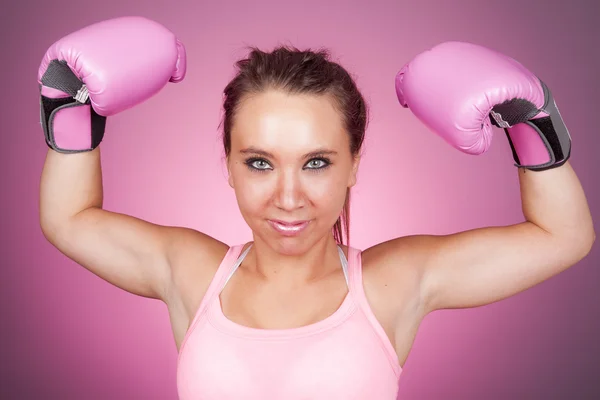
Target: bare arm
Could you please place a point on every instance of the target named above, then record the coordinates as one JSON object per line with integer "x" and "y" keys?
{"x": 485, "y": 265}
{"x": 127, "y": 252}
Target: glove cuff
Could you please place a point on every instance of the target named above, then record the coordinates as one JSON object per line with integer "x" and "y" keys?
{"x": 70, "y": 124}
{"x": 539, "y": 138}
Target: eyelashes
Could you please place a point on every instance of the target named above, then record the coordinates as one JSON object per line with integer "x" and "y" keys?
{"x": 260, "y": 165}
{"x": 257, "y": 164}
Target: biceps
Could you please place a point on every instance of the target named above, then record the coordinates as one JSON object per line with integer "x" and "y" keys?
{"x": 123, "y": 250}
{"x": 482, "y": 266}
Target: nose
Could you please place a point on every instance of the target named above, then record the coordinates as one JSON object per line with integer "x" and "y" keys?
{"x": 289, "y": 194}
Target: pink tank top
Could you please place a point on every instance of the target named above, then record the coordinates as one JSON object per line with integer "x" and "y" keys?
{"x": 345, "y": 356}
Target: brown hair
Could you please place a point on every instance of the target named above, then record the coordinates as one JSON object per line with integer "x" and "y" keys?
{"x": 300, "y": 72}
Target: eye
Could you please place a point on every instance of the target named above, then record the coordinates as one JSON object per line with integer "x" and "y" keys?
{"x": 318, "y": 163}
{"x": 258, "y": 164}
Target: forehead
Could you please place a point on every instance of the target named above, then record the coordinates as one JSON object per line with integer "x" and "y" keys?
{"x": 277, "y": 121}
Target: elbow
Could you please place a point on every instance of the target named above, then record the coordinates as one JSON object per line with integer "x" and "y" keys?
{"x": 574, "y": 247}
{"x": 55, "y": 227}
{"x": 53, "y": 232}
{"x": 49, "y": 232}
{"x": 50, "y": 226}
{"x": 591, "y": 242}
{"x": 580, "y": 240}
{"x": 584, "y": 245}
{"x": 589, "y": 239}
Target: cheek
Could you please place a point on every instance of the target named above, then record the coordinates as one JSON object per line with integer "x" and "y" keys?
{"x": 327, "y": 193}
{"x": 252, "y": 190}
{"x": 251, "y": 194}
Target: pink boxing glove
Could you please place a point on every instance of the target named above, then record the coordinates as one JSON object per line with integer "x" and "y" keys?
{"x": 455, "y": 87}
{"x": 102, "y": 70}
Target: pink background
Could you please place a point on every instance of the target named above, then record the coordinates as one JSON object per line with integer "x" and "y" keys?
{"x": 66, "y": 334}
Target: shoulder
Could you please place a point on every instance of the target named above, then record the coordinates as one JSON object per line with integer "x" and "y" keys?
{"x": 194, "y": 259}
{"x": 405, "y": 254}
{"x": 393, "y": 271}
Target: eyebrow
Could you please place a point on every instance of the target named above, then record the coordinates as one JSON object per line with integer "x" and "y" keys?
{"x": 316, "y": 153}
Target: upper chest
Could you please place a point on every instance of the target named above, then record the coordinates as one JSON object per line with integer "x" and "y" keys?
{"x": 247, "y": 301}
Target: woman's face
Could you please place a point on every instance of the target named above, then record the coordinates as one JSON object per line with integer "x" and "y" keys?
{"x": 290, "y": 165}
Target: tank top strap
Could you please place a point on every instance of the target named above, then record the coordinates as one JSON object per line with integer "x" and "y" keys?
{"x": 235, "y": 266}
{"x": 355, "y": 272}
{"x": 344, "y": 261}
{"x": 357, "y": 289}
{"x": 229, "y": 263}
{"x": 353, "y": 266}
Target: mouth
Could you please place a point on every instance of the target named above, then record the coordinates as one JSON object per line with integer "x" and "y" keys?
{"x": 286, "y": 228}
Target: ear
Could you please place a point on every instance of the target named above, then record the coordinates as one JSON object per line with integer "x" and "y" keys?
{"x": 230, "y": 178}
{"x": 354, "y": 173}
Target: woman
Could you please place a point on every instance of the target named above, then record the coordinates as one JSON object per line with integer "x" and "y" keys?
{"x": 296, "y": 313}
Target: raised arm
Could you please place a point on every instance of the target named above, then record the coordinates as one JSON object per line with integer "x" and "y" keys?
{"x": 459, "y": 90}
{"x": 84, "y": 78}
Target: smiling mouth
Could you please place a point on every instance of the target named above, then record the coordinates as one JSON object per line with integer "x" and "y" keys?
{"x": 288, "y": 228}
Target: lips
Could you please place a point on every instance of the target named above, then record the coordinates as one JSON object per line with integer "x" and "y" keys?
{"x": 289, "y": 228}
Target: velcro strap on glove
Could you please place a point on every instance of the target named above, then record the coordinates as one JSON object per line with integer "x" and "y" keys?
{"x": 70, "y": 124}
{"x": 539, "y": 138}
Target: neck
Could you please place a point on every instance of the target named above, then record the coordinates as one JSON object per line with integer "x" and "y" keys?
{"x": 293, "y": 270}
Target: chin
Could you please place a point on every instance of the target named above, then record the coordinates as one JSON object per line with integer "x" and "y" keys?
{"x": 292, "y": 245}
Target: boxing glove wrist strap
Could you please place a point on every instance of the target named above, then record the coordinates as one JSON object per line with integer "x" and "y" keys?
{"x": 70, "y": 124}
{"x": 538, "y": 138}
